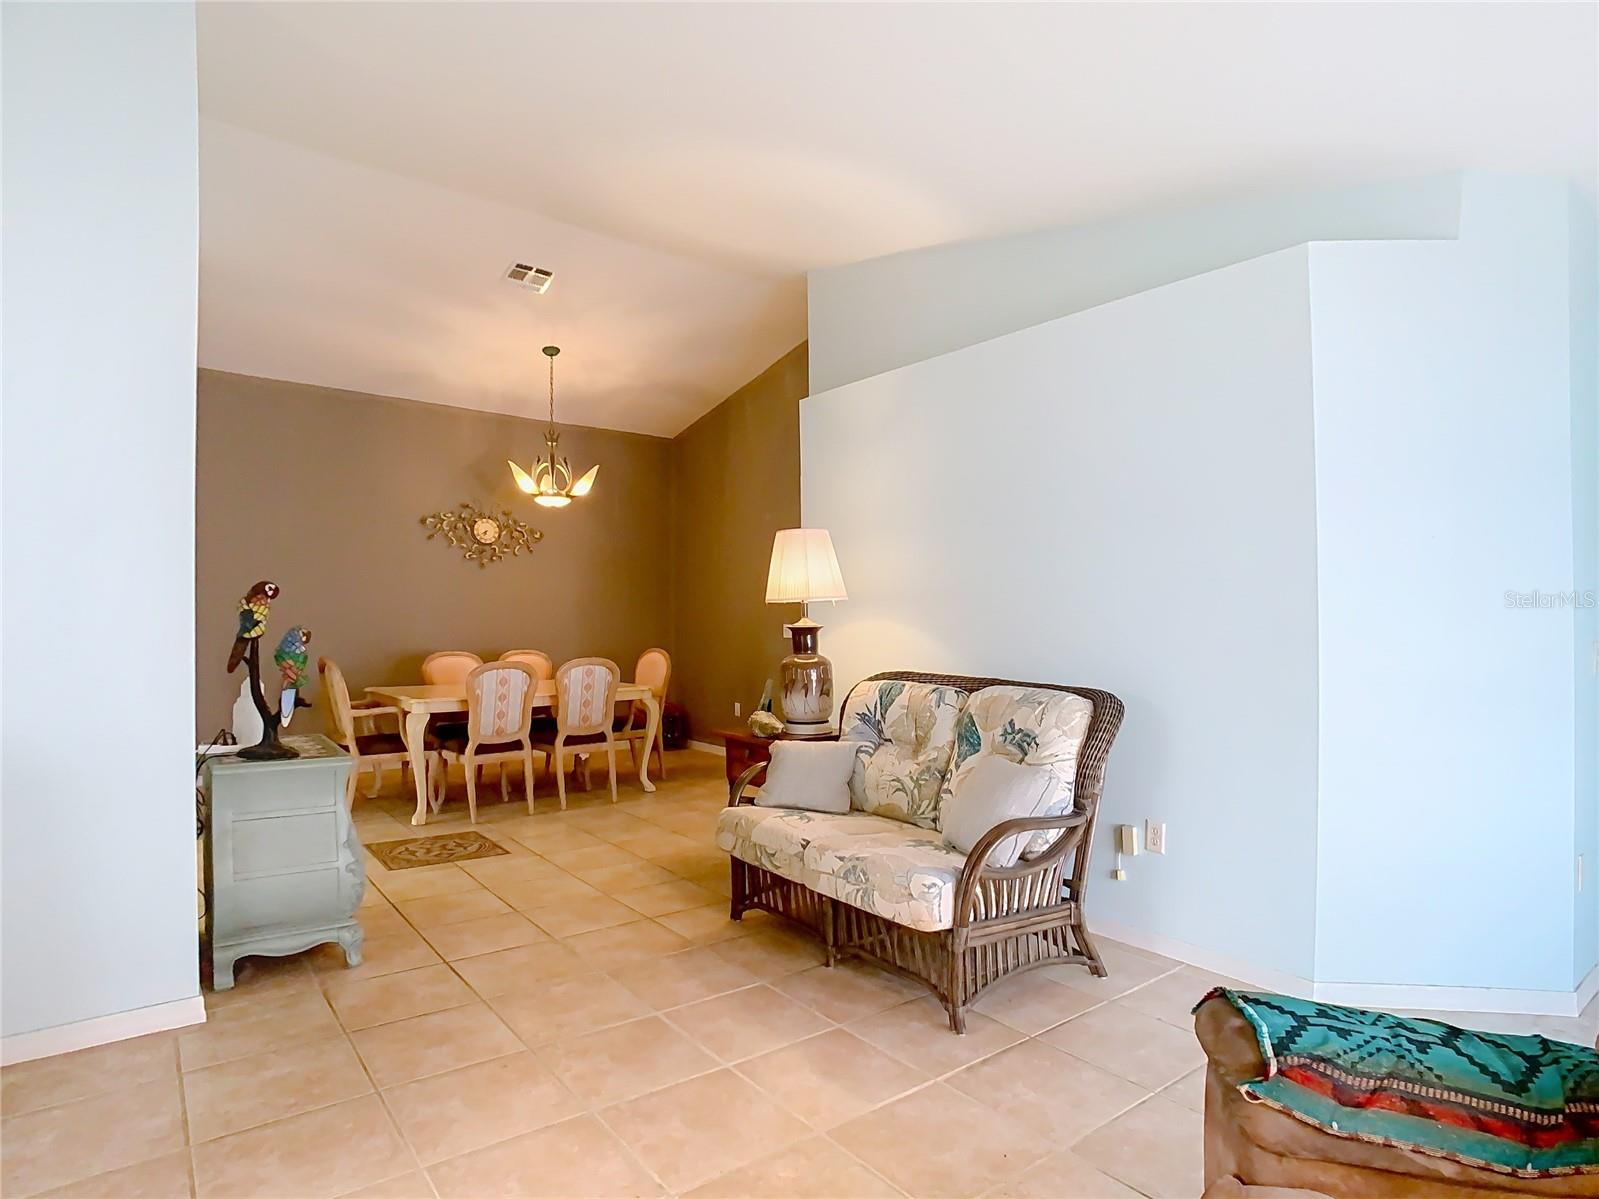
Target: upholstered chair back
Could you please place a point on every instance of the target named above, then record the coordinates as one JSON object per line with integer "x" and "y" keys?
{"x": 536, "y": 660}
{"x": 499, "y": 701}
{"x": 585, "y": 694}
{"x": 338, "y": 693}
{"x": 653, "y": 670}
{"x": 449, "y": 667}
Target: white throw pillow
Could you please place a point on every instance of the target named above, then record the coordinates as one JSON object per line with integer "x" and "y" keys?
{"x": 813, "y": 775}
{"x": 992, "y": 791}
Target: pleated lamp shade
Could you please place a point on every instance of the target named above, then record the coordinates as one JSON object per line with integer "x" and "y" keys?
{"x": 804, "y": 568}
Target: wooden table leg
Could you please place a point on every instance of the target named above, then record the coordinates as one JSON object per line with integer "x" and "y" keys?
{"x": 651, "y": 731}
{"x": 416, "y": 727}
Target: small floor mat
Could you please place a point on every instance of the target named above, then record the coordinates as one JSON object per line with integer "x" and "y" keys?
{"x": 430, "y": 851}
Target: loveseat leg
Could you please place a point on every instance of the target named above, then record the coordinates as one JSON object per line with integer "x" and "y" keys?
{"x": 736, "y": 902}
{"x": 1096, "y": 965}
{"x": 829, "y": 934}
{"x": 957, "y": 1018}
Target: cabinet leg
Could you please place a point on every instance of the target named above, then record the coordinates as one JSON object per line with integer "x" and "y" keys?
{"x": 222, "y": 974}
{"x": 351, "y": 940}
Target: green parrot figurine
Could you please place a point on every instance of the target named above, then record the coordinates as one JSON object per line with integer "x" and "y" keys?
{"x": 293, "y": 667}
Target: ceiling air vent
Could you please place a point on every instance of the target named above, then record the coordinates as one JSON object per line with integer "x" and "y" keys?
{"x": 535, "y": 277}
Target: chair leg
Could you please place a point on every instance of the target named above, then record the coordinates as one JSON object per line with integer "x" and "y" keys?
{"x": 560, "y": 771}
{"x": 610, "y": 757}
{"x": 472, "y": 770}
{"x": 349, "y": 784}
{"x": 527, "y": 777}
{"x": 505, "y": 785}
{"x": 377, "y": 779}
{"x": 442, "y": 789}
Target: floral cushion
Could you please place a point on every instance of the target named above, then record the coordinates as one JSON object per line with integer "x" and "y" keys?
{"x": 908, "y": 733}
{"x": 879, "y": 865}
{"x": 1032, "y": 725}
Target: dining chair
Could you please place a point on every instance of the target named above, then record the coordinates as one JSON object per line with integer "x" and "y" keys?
{"x": 499, "y": 711}
{"x": 536, "y": 660}
{"x": 372, "y": 751}
{"x": 450, "y": 666}
{"x": 585, "y": 702}
{"x": 541, "y": 664}
{"x": 654, "y": 670}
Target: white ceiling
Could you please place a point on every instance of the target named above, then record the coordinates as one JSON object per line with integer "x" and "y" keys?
{"x": 702, "y": 157}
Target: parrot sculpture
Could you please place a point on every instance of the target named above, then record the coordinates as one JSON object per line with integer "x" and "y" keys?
{"x": 253, "y": 610}
{"x": 293, "y": 661}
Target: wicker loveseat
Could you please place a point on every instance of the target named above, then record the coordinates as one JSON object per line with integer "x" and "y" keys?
{"x": 879, "y": 882}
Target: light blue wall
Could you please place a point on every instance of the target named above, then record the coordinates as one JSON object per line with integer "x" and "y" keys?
{"x": 1585, "y": 522}
{"x": 873, "y": 316}
{"x": 1443, "y": 482}
{"x": 100, "y": 255}
{"x": 1011, "y": 505}
{"x": 1120, "y": 498}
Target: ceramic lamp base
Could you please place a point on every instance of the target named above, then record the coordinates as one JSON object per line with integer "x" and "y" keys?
{"x": 807, "y": 682}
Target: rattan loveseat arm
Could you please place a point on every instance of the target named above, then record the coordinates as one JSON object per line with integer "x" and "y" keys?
{"x": 977, "y": 871}
{"x": 735, "y": 792}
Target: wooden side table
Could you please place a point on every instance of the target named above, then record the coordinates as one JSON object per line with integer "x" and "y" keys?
{"x": 744, "y": 749}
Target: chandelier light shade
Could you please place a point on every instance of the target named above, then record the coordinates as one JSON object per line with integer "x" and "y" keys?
{"x": 550, "y": 481}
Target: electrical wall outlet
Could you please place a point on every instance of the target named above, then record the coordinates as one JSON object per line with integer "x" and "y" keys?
{"x": 1155, "y": 836}
{"x": 738, "y": 708}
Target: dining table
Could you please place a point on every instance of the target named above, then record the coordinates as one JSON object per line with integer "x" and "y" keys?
{"x": 418, "y": 702}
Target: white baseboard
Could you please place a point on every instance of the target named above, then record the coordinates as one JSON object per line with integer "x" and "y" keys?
{"x": 101, "y": 1030}
{"x": 1453, "y": 999}
{"x": 1374, "y": 995}
{"x": 1205, "y": 959}
{"x": 709, "y": 747}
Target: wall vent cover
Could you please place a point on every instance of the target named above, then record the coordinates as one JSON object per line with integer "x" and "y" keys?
{"x": 535, "y": 277}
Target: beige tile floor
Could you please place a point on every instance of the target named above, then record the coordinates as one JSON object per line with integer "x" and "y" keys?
{"x": 580, "y": 1018}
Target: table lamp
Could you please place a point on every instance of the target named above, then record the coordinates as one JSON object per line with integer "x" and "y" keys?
{"x": 805, "y": 568}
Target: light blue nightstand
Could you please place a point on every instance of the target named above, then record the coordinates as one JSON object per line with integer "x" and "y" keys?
{"x": 283, "y": 864}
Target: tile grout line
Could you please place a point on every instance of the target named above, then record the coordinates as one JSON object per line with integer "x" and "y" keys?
{"x": 394, "y": 1122}
{"x": 183, "y": 1111}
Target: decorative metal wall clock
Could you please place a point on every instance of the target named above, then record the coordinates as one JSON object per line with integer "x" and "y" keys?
{"x": 481, "y": 536}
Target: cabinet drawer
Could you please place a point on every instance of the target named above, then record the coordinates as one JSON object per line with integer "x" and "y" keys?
{"x": 274, "y": 844}
{"x": 308, "y": 897}
{"x": 284, "y": 790}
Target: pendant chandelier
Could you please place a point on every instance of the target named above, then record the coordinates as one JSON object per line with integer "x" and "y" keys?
{"x": 550, "y": 483}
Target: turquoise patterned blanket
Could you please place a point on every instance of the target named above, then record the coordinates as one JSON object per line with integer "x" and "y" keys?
{"x": 1527, "y": 1106}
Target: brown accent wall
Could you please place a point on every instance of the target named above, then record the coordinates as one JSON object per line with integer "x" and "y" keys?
{"x": 737, "y": 472}
{"x": 322, "y": 490}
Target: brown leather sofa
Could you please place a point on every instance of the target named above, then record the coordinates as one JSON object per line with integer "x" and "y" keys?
{"x": 1258, "y": 1146}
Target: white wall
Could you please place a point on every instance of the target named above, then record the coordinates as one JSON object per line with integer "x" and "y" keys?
{"x": 1444, "y": 481}
{"x": 1121, "y": 498}
{"x": 99, "y": 277}
{"x": 873, "y": 316}
{"x": 1585, "y": 526}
